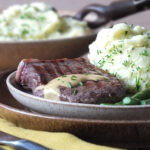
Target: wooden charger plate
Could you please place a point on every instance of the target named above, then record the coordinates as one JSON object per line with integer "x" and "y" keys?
{"x": 118, "y": 133}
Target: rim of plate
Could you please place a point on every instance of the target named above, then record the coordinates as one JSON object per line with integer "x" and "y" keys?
{"x": 12, "y": 87}
{"x": 48, "y": 40}
{"x": 46, "y": 116}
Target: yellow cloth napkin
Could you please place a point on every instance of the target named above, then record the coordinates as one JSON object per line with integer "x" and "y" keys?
{"x": 54, "y": 140}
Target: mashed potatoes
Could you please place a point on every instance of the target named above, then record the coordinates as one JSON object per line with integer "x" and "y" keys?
{"x": 124, "y": 50}
{"x": 38, "y": 21}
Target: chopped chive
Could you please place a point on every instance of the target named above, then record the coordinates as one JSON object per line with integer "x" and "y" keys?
{"x": 101, "y": 63}
{"x": 144, "y": 53}
{"x": 58, "y": 79}
{"x": 25, "y": 31}
{"x": 138, "y": 68}
{"x": 81, "y": 83}
{"x": 69, "y": 84}
{"x": 120, "y": 46}
{"x": 41, "y": 18}
{"x": 126, "y": 32}
{"x": 132, "y": 64}
{"x": 86, "y": 74}
{"x": 137, "y": 83}
{"x": 98, "y": 52}
{"x": 148, "y": 68}
{"x": 73, "y": 77}
{"x": 125, "y": 63}
{"x": 28, "y": 6}
{"x": 64, "y": 76}
{"x": 75, "y": 92}
{"x": 108, "y": 56}
{"x": 131, "y": 74}
{"x": 148, "y": 35}
{"x": 25, "y": 25}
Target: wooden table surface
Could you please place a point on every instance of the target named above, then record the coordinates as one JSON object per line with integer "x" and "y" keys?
{"x": 75, "y": 5}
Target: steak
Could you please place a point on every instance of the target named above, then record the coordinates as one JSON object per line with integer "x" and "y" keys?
{"x": 32, "y": 73}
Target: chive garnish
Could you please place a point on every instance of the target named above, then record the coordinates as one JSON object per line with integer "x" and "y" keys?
{"x": 75, "y": 92}
{"x": 86, "y": 74}
{"x": 69, "y": 84}
{"x": 137, "y": 83}
{"x": 73, "y": 77}
{"x": 98, "y": 52}
{"x": 148, "y": 35}
{"x": 144, "y": 53}
{"x": 28, "y": 6}
{"x": 101, "y": 63}
{"x": 148, "y": 68}
{"x": 81, "y": 83}
{"x": 64, "y": 76}
{"x": 126, "y": 32}
{"x": 131, "y": 74}
{"x": 25, "y": 31}
{"x": 138, "y": 68}
{"x": 125, "y": 63}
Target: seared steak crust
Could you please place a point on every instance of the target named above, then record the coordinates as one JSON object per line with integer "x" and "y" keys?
{"x": 32, "y": 73}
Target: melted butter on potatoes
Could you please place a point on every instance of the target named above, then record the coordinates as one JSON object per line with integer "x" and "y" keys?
{"x": 124, "y": 50}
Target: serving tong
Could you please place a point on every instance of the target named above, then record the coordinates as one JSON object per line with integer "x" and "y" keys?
{"x": 114, "y": 11}
{"x": 18, "y": 143}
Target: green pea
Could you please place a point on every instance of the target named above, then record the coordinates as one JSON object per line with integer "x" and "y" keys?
{"x": 145, "y": 102}
{"x": 130, "y": 101}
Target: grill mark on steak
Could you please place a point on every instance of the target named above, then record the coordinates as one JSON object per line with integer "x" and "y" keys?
{"x": 50, "y": 71}
{"x": 63, "y": 68}
{"x": 74, "y": 67}
{"x": 59, "y": 68}
{"x": 55, "y": 72}
{"x": 32, "y": 73}
{"x": 42, "y": 72}
{"x": 67, "y": 65}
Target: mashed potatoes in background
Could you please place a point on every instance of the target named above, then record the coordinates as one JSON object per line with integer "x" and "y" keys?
{"x": 37, "y": 21}
{"x": 124, "y": 51}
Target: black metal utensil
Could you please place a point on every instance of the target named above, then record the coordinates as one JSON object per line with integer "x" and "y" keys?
{"x": 2, "y": 148}
{"x": 114, "y": 11}
{"x": 18, "y": 143}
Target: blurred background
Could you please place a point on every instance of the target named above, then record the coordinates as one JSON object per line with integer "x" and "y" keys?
{"x": 141, "y": 18}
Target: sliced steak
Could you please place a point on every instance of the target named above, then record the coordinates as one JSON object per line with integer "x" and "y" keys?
{"x": 32, "y": 73}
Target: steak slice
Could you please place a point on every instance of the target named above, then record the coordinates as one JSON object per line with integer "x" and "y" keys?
{"x": 32, "y": 73}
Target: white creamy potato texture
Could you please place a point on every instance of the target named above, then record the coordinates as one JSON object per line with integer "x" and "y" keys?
{"x": 124, "y": 51}
{"x": 37, "y": 21}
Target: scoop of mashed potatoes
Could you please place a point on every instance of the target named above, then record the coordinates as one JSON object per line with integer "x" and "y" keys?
{"x": 124, "y": 51}
{"x": 37, "y": 21}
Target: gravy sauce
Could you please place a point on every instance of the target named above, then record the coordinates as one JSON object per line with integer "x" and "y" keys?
{"x": 51, "y": 89}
